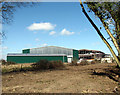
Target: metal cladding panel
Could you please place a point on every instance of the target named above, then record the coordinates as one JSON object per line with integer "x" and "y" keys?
{"x": 20, "y": 54}
{"x": 32, "y": 59}
{"x": 75, "y": 55}
{"x": 26, "y": 51}
{"x": 52, "y": 50}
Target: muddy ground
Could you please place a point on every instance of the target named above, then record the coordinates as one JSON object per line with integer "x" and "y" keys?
{"x": 72, "y": 79}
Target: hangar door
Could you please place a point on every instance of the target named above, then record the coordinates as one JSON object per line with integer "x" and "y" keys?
{"x": 69, "y": 59}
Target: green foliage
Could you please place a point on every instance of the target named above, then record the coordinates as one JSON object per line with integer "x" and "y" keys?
{"x": 109, "y": 15}
{"x": 106, "y": 10}
{"x": 109, "y": 12}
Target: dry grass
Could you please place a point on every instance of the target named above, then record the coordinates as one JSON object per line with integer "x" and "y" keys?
{"x": 73, "y": 79}
{"x": 15, "y": 67}
{"x": 29, "y": 67}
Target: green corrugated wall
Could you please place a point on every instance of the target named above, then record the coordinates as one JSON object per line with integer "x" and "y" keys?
{"x": 26, "y": 51}
{"x": 31, "y": 59}
{"x": 75, "y": 55}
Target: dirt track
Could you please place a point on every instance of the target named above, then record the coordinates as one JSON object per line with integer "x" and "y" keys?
{"x": 74, "y": 79}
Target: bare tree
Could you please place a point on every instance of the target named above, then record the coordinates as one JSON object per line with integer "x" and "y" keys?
{"x": 8, "y": 9}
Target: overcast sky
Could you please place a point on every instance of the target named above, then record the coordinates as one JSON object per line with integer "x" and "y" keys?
{"x": 52, "y": 24}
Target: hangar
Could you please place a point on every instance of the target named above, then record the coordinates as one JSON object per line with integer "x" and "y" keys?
{"x": 50, "y": 53}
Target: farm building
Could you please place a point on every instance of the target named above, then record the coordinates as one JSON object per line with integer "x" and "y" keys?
{"x": 90, "y": 54}
{"x": 107, "y": 58}
{"x": 49, "y": 53}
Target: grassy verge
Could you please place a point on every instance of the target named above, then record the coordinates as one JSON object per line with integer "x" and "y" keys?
{"x": 38, "y": 66}
{"x": 15, "y": 68}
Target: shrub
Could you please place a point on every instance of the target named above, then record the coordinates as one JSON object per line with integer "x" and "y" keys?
{"x": 113, "y": 61}
{"x": 42, "y": 64}
{"x": 97, "y": 61}
{"x": 84, "y": 62}
{"x": 10, "y": 63}
{"x": 7, "y": 63}
{"x": 60, "y": 63}
{"x": 3, "y": 61}
{"x": 93, "y": 62}
{"x": 74, "y": 62}
{"x": 45, "y": 64}
{"x": 56, "y": 64}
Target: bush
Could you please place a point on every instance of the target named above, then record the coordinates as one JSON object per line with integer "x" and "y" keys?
{"x": 74, "y": 62}
{"x": 97, "y": 61}
{"x": 84, "y": 62}
{"x": 42, "y": 64}
{"x": 10, "y": 63}
{"x": 7, "y": 63}
{"x": 93, "y": 62}
{"x": 3, "y": 61}
{"x": 56, "y": 64}
{"x": 45, "y": 64}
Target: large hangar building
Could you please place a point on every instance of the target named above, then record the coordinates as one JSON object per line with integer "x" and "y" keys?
{"x": 50, "y": 53}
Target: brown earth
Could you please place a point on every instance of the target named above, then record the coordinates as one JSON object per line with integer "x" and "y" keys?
{"x": 73, "y": 79}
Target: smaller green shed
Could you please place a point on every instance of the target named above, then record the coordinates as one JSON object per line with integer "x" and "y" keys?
{"x": 31, "y": 58}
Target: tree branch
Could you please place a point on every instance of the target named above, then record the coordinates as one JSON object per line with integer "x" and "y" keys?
{"x": 100, "y": 34}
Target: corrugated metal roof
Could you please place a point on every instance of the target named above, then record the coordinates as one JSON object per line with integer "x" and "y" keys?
{"x": 21, "y": 54}
{"x": 52, "y": 46}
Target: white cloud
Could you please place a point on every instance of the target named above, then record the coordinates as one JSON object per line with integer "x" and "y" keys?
{"x": 52, "y": 33}
{"x": 41, "y": 26}
{"x": 37, "y": 39}
{"x": 66, "y": 32}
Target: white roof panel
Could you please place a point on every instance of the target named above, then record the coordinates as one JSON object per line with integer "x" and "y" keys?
{"x": 21, "y": 54}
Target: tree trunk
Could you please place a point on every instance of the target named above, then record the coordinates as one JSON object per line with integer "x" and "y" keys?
{"x": 118, "y": 36}
{"x": 100, "y": 34}
{"x": 115, "y": 42}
